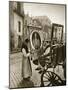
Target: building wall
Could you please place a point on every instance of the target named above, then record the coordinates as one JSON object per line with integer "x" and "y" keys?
{"x": 15, "y": 7}
{"x": 59, "y": 33}
{"x": 17, "y": 18}
{"x": 14, "y": 16}
{"x": 11, "y": 25}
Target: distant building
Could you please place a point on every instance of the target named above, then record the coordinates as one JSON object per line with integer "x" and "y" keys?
{"x": 30, "y": 24}
{"x": 46, "y": 26}
{"x": 16, "y": 24}
{"x": 39, "y": 23}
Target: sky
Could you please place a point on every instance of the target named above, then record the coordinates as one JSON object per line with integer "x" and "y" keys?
{"x": 56, "y": 13}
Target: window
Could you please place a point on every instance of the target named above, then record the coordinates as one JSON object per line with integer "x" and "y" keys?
{"x": 19, "y": 26}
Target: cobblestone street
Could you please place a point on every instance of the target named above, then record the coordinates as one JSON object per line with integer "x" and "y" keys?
{"x": 16, "y": 69}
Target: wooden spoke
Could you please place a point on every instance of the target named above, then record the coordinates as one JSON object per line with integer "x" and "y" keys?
{"x": 49, "y": 84}
{"x": 54, "y": 76}
{"x": 50, "y": 74}
{"x": 46, "y": 77}
{"x": 46, "y": 81}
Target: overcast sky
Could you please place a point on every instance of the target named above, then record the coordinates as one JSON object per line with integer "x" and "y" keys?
{"x": 56, "y": 13}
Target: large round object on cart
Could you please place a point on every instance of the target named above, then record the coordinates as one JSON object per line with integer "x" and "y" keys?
{"x": 35, "y": 40}
{"x": 36, "y": 43}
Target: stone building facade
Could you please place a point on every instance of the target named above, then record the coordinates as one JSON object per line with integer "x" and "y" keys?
{"x": 16, "y": 24}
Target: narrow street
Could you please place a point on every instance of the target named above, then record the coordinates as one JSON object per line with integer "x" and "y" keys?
{"x": 16, "y": 69}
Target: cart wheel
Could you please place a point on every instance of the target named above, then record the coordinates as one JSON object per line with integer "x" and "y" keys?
{"x": 49, "y": 78}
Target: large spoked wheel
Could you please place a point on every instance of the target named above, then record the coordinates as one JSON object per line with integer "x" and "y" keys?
{"x": 49, "y": 78}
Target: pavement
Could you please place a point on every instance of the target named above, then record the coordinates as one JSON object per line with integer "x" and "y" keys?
{"x": 16, "y": 80}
